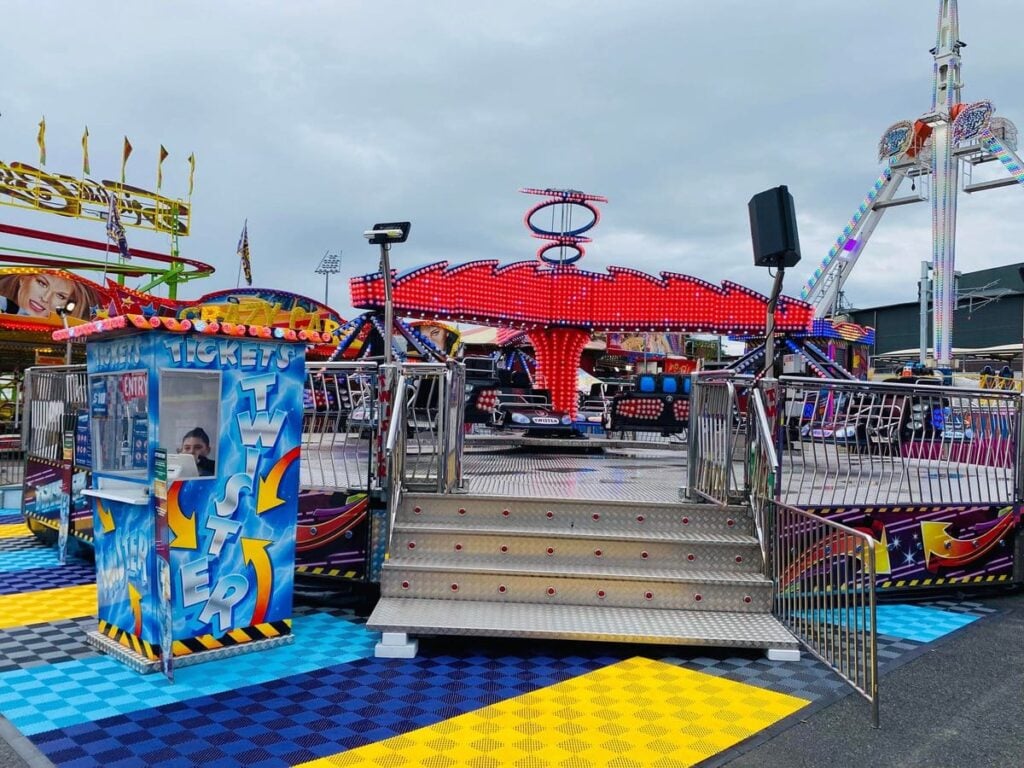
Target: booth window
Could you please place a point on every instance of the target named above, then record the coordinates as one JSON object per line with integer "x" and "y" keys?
{"x": 119, "y": 413}
{"x": 190, "y": 419}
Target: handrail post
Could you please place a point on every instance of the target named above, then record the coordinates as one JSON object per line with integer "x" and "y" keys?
{"x": 693, "y": 439}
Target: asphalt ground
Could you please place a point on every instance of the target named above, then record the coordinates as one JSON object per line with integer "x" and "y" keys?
{"x": 958, "y": 703}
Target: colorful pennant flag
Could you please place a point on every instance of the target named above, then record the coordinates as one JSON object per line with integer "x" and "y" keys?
{"x": 115, "y": 230}
{"x": 85, "y": 152}
{"x": 160, "y": 168}
{"x": 124, "y": 156}
{"x": 41, "y": 141}
{"x": 243, "y": 253}
{"x": 191, "y": 172}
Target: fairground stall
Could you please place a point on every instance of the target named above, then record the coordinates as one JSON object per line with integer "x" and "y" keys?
{"x": 195, "y": 431}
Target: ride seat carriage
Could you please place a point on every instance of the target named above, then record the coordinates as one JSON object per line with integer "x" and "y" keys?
{"x": 658, "y": 403}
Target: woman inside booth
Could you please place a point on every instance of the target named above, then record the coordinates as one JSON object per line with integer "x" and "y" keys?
{"x": 197, "y": 443}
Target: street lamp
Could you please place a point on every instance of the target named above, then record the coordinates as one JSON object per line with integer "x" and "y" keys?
{"x": 384, "y": 235}
{"x": 63, "y": 312}
{"x": 329, "y": 265}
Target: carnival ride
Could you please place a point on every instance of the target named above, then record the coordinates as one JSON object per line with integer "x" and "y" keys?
{"x": 930, "y": 149}
{"x": 560, "y": 306}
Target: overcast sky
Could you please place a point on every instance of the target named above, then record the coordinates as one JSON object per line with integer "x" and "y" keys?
{"x": 313, "y": 120}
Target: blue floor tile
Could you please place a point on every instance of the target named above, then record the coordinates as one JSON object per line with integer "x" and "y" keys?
{"x": 61, "y": 695}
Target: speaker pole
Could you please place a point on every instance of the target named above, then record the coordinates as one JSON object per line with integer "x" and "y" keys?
{"x": 769, "y": 325}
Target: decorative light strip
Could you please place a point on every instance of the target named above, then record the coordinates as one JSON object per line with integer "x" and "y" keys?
{"x": 818, "y": 370}
{"x": 529, "y": 295}
{"x": 851, "y": 226}
{"x": 153, "y": 323}
{"x": 1006, "y": 155}
{"x": 562, "y": 238}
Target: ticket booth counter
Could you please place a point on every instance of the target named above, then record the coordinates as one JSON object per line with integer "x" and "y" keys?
{"x": 196, "y": 431}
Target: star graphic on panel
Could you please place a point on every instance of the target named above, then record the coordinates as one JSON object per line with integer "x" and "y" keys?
{"x": 149, "y": 310}
{"x": 102, "y": 314}
{"x": 908, "y": 558}
{"x": 94, "y": 310}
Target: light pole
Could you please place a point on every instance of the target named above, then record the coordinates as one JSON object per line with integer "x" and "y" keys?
{"x": 63, "y": 312}
{"x": 329, "y": 265}
{"x": 384, "y": 235}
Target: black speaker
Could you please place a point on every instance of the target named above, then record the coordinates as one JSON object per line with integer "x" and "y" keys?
{"x": 773, "y": 228}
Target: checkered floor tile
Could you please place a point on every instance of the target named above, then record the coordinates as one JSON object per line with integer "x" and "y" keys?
{"x": 910, "y": 622}
{"x": 302, "y": 717}
{"x": 325, "y": 698}
{"x": 28, "y": 558}
{"x": 72, "y": 573}
{"x": 26, "y": 543}
{"x": 920, "y": 623}
{"x": 14, "y": 529}
{"x": 47, "y": 605}
{"x": 50, "y": 643}
{"x": 807, "y": 679}
{"x": 633, "y": 713}
{"x": 37, "y": 699}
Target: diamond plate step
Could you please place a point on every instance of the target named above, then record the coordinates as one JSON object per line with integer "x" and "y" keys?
{"x": 575, "y": 514}
{"x": 499, "y": 544}
{"x": 558, "y": 622}
{"x": 704, "y": 591}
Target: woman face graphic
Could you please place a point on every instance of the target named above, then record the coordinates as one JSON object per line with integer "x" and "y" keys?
{"x": 40, "y": 295}
{"x": 436, "y": 335}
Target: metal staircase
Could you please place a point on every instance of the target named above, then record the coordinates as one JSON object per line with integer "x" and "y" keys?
{"x": 669, "y": 573}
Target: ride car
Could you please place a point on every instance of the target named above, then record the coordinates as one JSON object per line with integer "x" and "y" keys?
{"x": 532, "y": 412}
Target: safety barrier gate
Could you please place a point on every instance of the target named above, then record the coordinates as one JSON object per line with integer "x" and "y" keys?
{"x": 823, "y": 572}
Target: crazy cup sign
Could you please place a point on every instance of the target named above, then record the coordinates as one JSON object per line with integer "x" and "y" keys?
{"x": 258, "y": 306}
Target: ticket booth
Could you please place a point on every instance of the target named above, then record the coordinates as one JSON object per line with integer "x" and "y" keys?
{"x": 196, "y": 430}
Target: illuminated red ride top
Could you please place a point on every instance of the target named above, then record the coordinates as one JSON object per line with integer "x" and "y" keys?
{"x": 560, "y": 306}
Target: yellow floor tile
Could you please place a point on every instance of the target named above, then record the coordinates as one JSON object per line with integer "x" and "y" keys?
{"x": 13, "y": 530}
{"x": 47, "y": 605}
{"x": 635, "y": 713}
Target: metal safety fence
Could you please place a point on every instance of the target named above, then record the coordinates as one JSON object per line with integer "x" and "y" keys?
{"x": 717, "y": 436}
{"x": 849, "y": 442}
{"x": 713, "y": 402}
{"x": 434, "y": 410}
{"x": 54, "y": 396}
{"x": 824, "y": 572}
{"x": 340, "y": 427}
{"x": 824, "y": 576}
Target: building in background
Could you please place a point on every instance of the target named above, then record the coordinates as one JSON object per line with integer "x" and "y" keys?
{"x": 988, "y": 323}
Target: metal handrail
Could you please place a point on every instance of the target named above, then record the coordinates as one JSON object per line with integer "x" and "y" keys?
{"x": 394, "y": 454}
{"x": 711, "y": 438}
{"x": 916, "y": 389}
{"x": 824, "y": 575}
{"x": 878, "y": 443}
{"x": 397, "y": 408}
{"x": 823, "y": 572}
{"x": 763, "y": 425}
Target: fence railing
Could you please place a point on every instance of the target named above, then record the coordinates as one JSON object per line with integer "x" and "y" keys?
{"x": 824, "y": 577}
{"x": 340, "y": 426}
{"x": 710, "y": 451}
{"x": 433, "y": 418}
{"x": 53, "y": 398}
{"x": 717, "y": 436}
{"x": 823, "y": 572}
{"x": 872, "y": 443}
